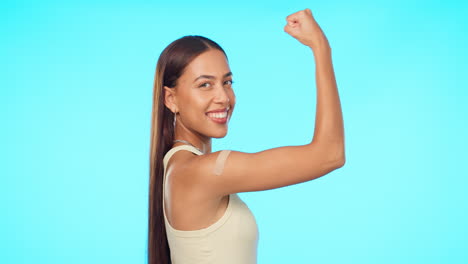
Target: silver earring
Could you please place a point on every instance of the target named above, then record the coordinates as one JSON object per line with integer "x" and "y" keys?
{"x": 175, "y": 118}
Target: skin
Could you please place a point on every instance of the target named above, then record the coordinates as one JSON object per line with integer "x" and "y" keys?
{"x": 192, "y": 99}
{"x": 195, "y": 196}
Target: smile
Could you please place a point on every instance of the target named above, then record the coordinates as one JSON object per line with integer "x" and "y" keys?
{"x": 218, "y": 117}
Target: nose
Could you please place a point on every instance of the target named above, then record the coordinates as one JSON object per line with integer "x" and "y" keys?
{"x": 221, "y": 96}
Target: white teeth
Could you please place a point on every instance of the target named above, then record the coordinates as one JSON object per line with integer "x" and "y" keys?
{"x": 218, "y": 115}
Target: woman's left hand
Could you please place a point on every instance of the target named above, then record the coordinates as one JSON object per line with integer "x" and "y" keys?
{"x": 303, "y": 27}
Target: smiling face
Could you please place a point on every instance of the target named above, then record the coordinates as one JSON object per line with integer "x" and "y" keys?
{"x": 203, "y": 96}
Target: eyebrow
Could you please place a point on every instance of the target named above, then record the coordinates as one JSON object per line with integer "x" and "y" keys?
{"x": 211, "y": 76}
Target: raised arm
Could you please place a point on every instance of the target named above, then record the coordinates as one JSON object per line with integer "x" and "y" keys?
{"x": 283, "y": 166}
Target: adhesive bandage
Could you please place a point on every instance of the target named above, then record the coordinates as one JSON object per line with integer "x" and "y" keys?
{"x": 220, "y": 162}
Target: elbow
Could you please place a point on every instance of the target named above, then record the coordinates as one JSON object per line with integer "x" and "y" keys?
{"x": 335, "y": 154}
{"x": 336, "y": 162}
{"x": 341, "y": 162}
{"x": 340, "y": 159}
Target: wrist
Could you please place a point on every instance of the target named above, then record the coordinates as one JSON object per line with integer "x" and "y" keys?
{"x": 321, "y": 47}
{"x": 320, "y": 51}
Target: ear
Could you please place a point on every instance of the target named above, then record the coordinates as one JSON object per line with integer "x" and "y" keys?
{"x": 170, "y": 99}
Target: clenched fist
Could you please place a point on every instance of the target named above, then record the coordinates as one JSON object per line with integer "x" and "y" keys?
{"x": 303, "y": 27}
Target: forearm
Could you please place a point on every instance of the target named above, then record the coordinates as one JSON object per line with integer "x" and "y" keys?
{"x": 329, "y": 127}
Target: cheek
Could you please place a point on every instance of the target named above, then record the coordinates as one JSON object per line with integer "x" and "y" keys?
{"x": 199, "y": 105}
{"x": 197, "y": 100}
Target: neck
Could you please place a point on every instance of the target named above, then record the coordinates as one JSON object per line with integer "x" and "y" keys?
{"x": 196, "y": 139}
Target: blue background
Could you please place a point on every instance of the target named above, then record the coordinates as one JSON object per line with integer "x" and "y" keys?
{"x": 75, "y": 105}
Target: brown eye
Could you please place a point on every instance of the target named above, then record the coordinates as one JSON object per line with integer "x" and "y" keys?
{"x": 229, "y": 82}
{"x": 204, "y": 85}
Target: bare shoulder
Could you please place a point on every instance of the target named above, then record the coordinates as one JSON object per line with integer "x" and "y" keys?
{"x": 178, "y": 167}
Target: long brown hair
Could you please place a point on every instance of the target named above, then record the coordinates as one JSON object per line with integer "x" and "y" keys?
{"x": 171, "y": 64}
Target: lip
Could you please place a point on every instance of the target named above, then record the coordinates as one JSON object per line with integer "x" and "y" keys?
{"x": 219, "y": 120}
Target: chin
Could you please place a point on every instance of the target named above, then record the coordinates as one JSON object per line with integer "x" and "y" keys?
{"x": 219, "y": 134}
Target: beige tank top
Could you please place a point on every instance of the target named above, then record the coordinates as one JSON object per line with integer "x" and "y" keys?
{"x": 231, "y": 239}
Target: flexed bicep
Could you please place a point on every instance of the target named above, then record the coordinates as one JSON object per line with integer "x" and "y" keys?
{"x": 225, "y": 172}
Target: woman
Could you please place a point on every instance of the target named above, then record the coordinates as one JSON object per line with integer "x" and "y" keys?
{"x": 195, "y": 215}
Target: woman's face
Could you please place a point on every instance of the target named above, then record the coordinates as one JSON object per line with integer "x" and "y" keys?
{"x": 203, "y": 96}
